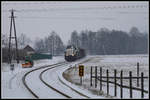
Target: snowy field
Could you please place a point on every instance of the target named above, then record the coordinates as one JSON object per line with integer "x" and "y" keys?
{"x": 120, "y": 62}
{"x": 11, "y": 82}
{"x": 12, "y": 87}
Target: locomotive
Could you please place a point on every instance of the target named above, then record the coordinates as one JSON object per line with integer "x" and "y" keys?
{"x": 73, "y": 53}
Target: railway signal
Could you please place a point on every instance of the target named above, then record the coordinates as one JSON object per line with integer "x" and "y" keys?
{"x": 81, "y": 72}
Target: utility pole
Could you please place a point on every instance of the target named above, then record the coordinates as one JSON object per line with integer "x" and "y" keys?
{"x": 11, "y": 37}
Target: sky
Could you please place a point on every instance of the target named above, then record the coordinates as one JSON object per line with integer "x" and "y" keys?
{"x": 40, "y": 18}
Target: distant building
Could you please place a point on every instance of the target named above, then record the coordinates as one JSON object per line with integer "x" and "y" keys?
{"x": 29, "y": 50}
{"x": 22, "y": 53}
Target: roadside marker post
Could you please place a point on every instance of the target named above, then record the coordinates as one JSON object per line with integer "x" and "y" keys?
{"x": 10, "y": 81}
{"x": 11, "y": 67}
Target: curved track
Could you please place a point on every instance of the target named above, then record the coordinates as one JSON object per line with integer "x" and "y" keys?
{"x": 51, "y": 66}
{"x": 59, "y": 89}
{"x": 61, "y": 86}
{"x": 50, "y": 85}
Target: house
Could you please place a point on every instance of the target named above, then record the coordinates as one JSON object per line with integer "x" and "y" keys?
{"x": 29, "y": 50}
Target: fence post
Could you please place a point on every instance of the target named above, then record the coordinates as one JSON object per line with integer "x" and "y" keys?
{"x": 121, "y": 85}
{"x": 100, "y": 78}
{"x": 91, "y": 75}
{"x": 107, "y": 73}
{"x": 95, "y": 76}
{"x": 130, "y": 82}
{"x": 115, "y": 90}
{"x": 142, "y": 85}
{"x": 138, "y": 74}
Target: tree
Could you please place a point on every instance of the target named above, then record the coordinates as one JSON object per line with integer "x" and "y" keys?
{"x": 103, "y": 41}
{"x": 92, "y": 42}
{"x": 5, "y": 41}
{"x": 135, "y": 32}
{"x": 23, "y": 40}
{"x": 84, "y": 40}
{"x": 50, "y": 44}
{"x": 57, "y": 46}
{"x": 75, "y": 40}
{"x": 39, "y": 45}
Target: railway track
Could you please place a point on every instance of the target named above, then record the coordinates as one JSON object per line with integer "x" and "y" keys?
{"x": 51, "y": 66}
{"x": 46, "y": 68}
{"x": 40, "y": 76}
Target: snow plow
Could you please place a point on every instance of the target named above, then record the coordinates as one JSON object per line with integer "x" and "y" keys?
{"x": 28, "y": 62}
{"x": 26, "y": 65}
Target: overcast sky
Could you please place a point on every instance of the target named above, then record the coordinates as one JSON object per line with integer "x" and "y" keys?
{"x": 38, "y": 19}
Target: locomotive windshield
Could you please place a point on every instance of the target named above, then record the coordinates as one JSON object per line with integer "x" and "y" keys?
{"x": 73, "y": 53}
{"x": 69, "y": 50}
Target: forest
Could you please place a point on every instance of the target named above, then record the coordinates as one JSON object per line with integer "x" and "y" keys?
{"x": 106, "y": 42}
{"x": 101, "y": 42}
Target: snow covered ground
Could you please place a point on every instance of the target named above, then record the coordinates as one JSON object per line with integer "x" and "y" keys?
{"x": 12, "y": 87}
{"x": 51, "y": 77}
{"x": 11, "y": 82}
{"x": 120, "y": 62}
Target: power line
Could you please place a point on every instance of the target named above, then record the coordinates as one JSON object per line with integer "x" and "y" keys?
{"x": 81, "y": 8}
{"x": 37, "y": 2}
{"x": 74, "y": 18}
{"x": 64, "y": 3}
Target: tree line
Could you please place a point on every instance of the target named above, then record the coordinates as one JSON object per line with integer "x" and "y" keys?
{"x": 101, "y": 42}
{"x": 51, "y": 44}
{"x": 106, "y": 42}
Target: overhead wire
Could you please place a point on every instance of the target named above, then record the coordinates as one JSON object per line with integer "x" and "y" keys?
{"x": 81, "y": 8}
{"x": 65, "y": 3}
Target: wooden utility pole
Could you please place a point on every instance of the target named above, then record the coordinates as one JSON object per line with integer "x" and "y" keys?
{"x": 11, "y": 37}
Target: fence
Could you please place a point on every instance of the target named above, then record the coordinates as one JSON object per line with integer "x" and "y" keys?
{"x": 130, "y": 78}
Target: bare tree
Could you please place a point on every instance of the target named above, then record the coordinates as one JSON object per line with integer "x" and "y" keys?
{"x": 50, "y": 44}
{"x": 23, "y": 40}
{"x": 4, "y": 40}
{"x": 75, "y": 40}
